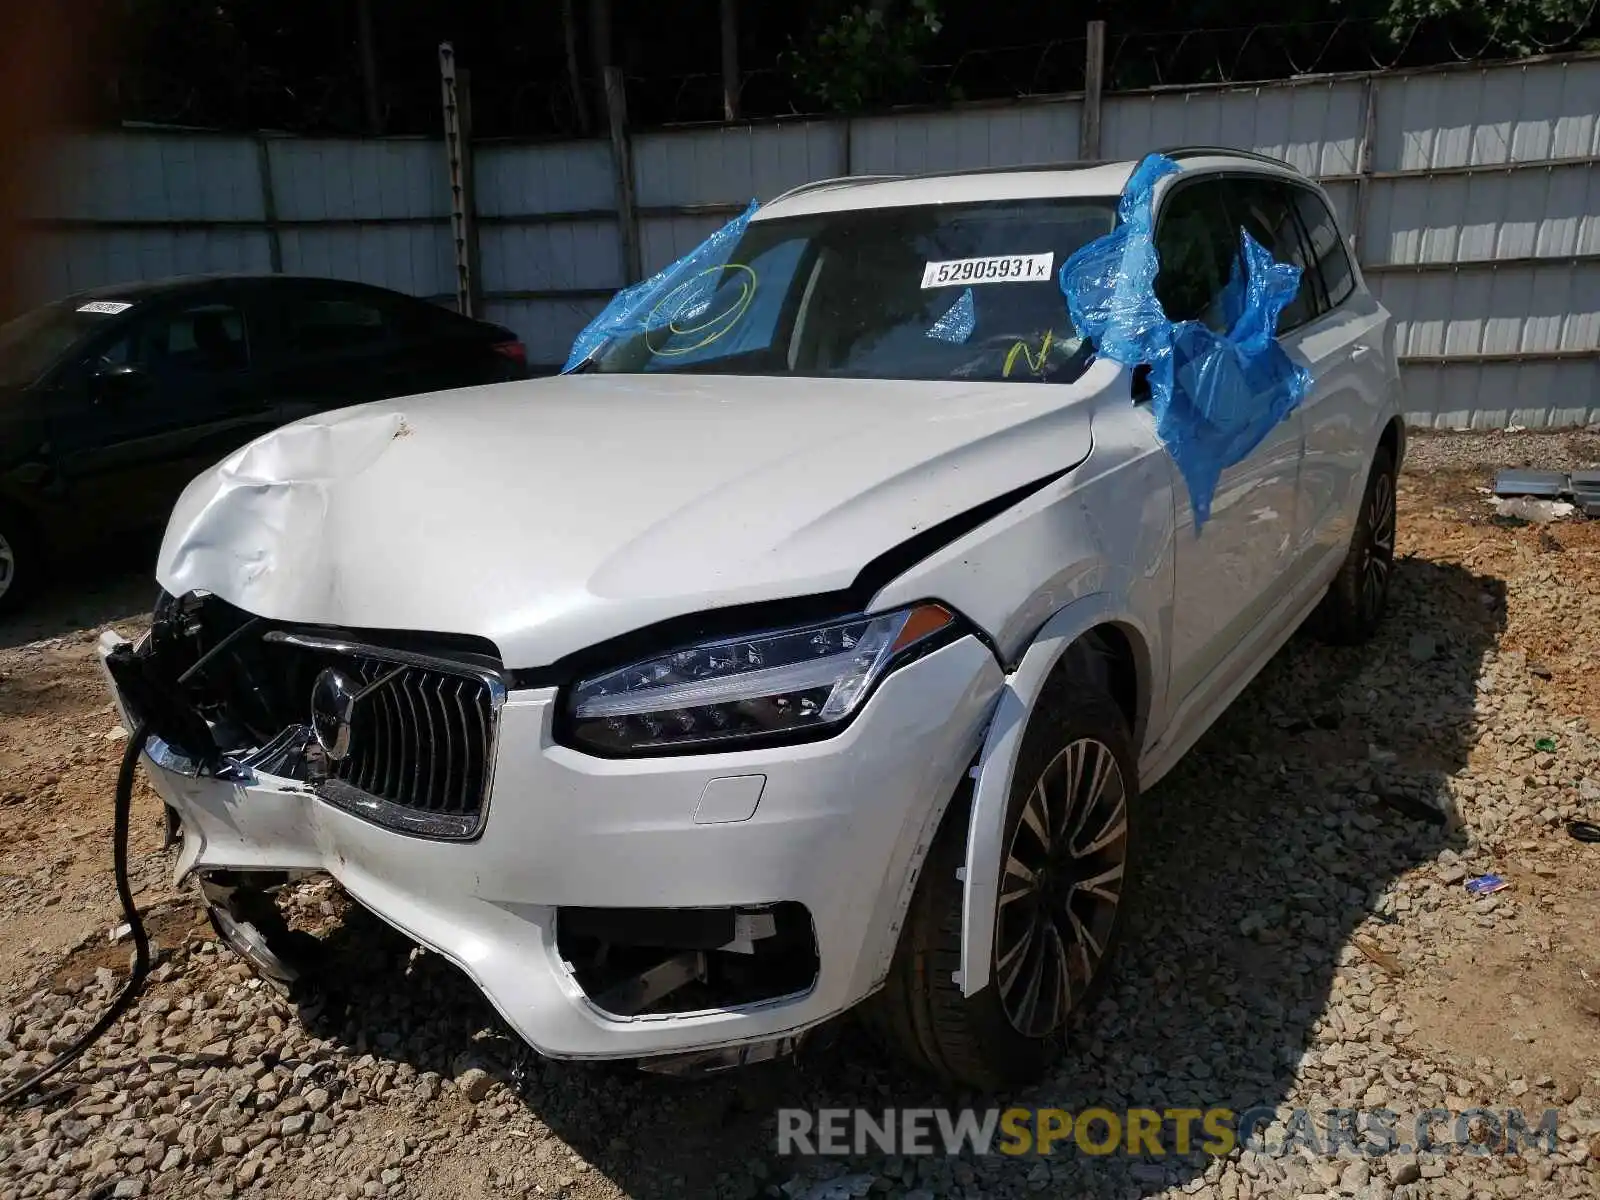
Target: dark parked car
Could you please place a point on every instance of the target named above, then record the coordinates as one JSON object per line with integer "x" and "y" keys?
{"x": 111, "y": 401}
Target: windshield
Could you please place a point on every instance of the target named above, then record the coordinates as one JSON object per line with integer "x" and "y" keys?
{"x": 930, "y": 292}
{"x": 30, "y": 344}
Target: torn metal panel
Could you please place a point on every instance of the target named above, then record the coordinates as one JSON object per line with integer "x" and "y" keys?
{"x": 1546, "y": 484}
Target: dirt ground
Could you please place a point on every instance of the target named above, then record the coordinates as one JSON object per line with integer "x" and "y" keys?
{"x": 1528, "y": 1003}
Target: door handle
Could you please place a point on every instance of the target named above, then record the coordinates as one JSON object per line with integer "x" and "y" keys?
{"x": 1361, "y": 351}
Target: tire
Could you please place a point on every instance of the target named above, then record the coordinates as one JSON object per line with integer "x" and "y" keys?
{"x": 996, "y": 1039}
{"x": 1358, "y": 596}
{"x": 20, "y": 568}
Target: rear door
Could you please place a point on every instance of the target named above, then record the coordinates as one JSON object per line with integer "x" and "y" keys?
{"x": 1330, "y": 331}
{"x": 124, "y": 456}
{"x": 1232, "y": 570}
{"x": 1345, "y": 347}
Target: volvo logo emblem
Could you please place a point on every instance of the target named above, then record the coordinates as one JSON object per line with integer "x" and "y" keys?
{"x": 333, "y": 705}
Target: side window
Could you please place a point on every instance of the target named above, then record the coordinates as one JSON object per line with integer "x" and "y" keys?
{"x": 323, "y": 323}
{"x": 1196, "y": 249}
{"x": 1263, "y": 207}
{"x": 1327, "y": 247}
{"x": 202, "y": 339}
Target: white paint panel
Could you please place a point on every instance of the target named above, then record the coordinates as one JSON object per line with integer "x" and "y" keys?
{"x": 317, "y": 179}
{"x": 1535, "y": 395}
{"x": 1514, "y": 214}
{"x": 1343, "y": 196}
{"x": 1492, "y": 115}
{"x": 152, "y": 177}
{"x": 81, "y": 260}
{"x": 549, "y": 177}
{"x": 914, "y": 144}
{"x": 1314, "y": 126}
{"x": 734, "y": 165}
{"x": 663, "y": 240}
{"x": 408, "y": 258}
{"x": 571, "y": 254}
{"x": 547, "y": 327}
{"x": 1505, "y": 310}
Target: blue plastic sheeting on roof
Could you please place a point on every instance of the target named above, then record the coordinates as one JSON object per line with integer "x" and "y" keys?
{"x": 1214, "y": 396}
{"x": 677, "y": 292}
{"x": 957, "y": 324}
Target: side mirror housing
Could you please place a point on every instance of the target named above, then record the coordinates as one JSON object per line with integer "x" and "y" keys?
{"x": 119, "y": 382}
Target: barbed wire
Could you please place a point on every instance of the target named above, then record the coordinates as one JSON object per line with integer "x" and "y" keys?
{"x": 1134, "y": 59}
{"x": 513, "y": 103}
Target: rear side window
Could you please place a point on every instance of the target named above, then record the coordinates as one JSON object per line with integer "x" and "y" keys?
{"x": 323, "y": 324}
{"x": 1265, "y": 209}
{"x": 1196, "y": 244}
{"x": 1327, "y": 247}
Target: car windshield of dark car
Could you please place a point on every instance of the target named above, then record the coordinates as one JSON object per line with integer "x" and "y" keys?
{"x": 31, "y": 344}
{"x": 956, "y": 291}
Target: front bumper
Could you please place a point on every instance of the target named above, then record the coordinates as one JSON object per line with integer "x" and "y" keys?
{"x": 840, "y": 827}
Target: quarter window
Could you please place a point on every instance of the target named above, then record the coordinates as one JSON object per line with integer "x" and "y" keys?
{"x": 1327, "y": 247}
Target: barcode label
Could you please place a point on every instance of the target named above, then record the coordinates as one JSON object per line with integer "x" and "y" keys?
{"x": 1001, "y": 268}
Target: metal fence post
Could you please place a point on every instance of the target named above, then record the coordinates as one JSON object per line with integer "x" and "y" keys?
{"x": 730, "y": 60}
{"x": 458, "y": 159}
{"x": 1094, "y": 82}
{"x": 1369, "y": 125}
{"x": 269, "y": 203}
{"x": 622, "y": 162}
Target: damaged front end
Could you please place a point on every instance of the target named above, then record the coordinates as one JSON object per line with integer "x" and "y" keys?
{"x": 401, "y": 732}
{"x": 231, "y": 695}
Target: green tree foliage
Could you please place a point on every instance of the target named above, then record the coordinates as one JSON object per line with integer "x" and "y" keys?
{"x": 296, "y": 64}
{"x": 864, "y": 56}
{"x": 1515, "y": 26}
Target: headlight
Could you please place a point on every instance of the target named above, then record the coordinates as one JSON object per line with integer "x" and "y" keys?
{"x": 786, "y": 682}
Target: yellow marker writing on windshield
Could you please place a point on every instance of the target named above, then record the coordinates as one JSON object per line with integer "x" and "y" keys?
{"x": 687, "y": 302}
{"x": 1035, "y": 365}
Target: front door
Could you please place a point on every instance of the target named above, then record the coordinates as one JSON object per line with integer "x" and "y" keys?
{"x": 126, "y": 446}
{"x": 1232, "y": 570}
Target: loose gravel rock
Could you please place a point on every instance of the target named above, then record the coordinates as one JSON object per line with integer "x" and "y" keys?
{"x": 1305, "y": 939}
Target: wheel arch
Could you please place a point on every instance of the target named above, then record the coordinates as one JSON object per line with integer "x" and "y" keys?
{"x": 1098, "y": 627}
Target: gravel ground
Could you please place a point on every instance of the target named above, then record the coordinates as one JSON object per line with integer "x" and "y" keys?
{"x": 1305, "y": 939}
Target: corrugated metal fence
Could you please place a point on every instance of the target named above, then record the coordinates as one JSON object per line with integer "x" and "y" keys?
{"x": 1473, "y": 197}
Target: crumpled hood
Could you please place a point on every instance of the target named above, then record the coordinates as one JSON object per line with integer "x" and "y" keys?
{"x": 552, "y": 514}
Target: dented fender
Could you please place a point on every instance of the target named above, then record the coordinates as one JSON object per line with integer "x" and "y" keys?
{"x": 997, "y": 763}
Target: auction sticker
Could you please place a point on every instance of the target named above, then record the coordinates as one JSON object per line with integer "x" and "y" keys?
{"x": 109, "y": 307}
{"x": 1001, "y": 268}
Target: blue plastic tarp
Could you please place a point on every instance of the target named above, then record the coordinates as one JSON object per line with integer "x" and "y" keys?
{"x": 674, "y": 295}
{"x": 1214, "y": 396}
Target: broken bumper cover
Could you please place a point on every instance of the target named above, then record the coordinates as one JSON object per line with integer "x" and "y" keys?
{"x": 840, "y": 827}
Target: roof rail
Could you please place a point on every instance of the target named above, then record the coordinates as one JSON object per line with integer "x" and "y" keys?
{"x": 1071, "y": 164}
{"x": 1180, "y": 152}
{"x": 835, "y": 181}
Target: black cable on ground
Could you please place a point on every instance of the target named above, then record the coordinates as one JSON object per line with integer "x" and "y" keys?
{"x": 122, "y": 809}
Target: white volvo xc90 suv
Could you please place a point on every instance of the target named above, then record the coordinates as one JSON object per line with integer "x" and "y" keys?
{"x": 777, "y": 661}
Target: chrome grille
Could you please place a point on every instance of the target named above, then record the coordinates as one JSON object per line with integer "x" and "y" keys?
{"x": 422, "y": 732}
{"x": 421, "y": 740}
